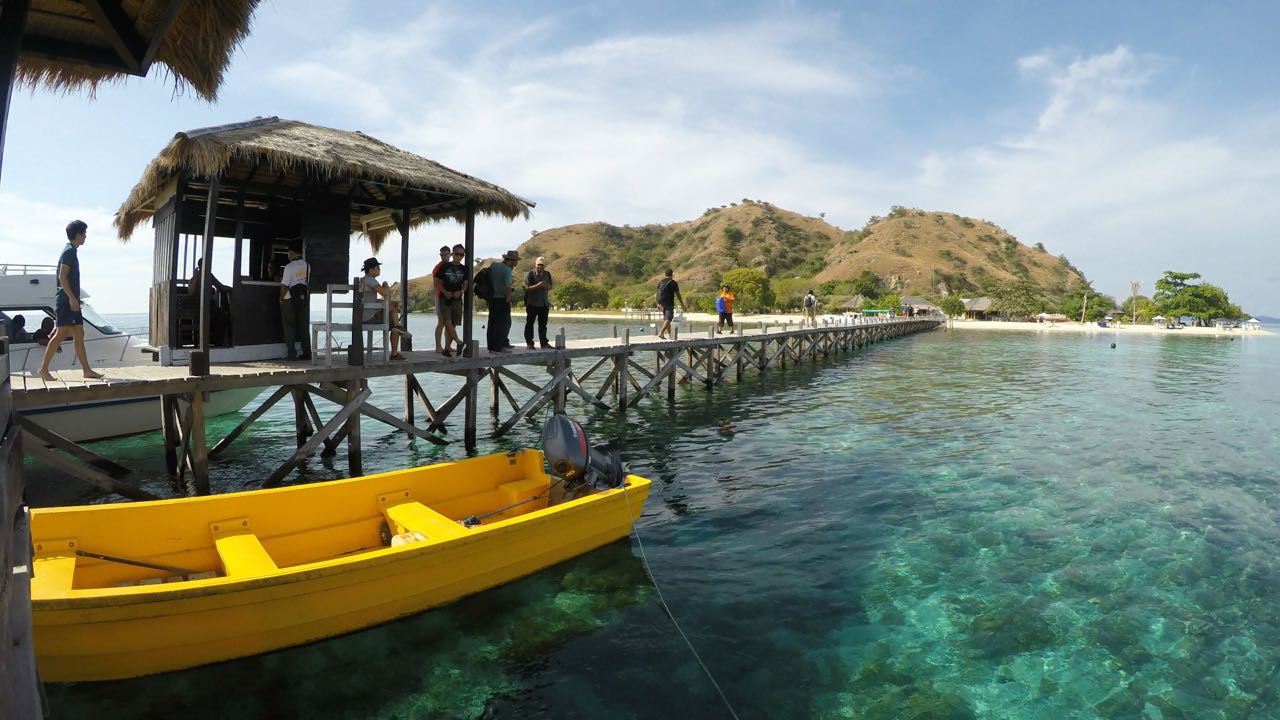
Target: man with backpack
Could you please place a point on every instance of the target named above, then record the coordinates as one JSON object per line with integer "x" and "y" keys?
{"x": 724, "y": 306}
{"x": 668, "y": 293}
{"x": 499, "y": 297}
{"x": 810, "y": 310}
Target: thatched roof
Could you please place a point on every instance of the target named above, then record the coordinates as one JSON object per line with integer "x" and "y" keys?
{"x": 982, "y": 304}
{"x": 68, "y": 45}
{"x": 287, "y": 158}
{"x": 854, "y": 303}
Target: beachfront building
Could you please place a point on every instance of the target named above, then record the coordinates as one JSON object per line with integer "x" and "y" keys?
{"x": 979, "y": 308}
{"x": 252, "y": 189}
{"x": 1252, "y": 324}
{"x": 917, "y": 305}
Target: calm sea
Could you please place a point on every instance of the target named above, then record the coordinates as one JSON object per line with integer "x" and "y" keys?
{"x": 950, "y": 525}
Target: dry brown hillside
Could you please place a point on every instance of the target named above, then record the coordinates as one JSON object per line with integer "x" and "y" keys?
{"x": 910, "y": 251}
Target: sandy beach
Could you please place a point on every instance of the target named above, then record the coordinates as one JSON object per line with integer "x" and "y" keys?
{"x": 978, "y": 325}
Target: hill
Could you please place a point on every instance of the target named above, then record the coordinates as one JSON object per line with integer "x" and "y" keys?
{"x": 909, "y": 252}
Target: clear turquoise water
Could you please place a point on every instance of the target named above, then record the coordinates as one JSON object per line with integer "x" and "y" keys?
{"x": 951, "y": 525}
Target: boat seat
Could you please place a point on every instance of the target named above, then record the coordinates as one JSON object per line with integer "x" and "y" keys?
{"x": 241, "y": 552}
{"x": 405, "y": 515}
{"x": 53, "y": 569}
{"x": 518, "y": 490}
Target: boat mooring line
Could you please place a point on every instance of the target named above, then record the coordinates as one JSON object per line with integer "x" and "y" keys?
{"x": 635, "y": 530}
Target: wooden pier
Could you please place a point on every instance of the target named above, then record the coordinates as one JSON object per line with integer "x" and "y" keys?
{"x": 611, "y": 373}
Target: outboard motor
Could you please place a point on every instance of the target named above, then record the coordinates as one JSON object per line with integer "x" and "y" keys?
{"x": 573, "y": 459}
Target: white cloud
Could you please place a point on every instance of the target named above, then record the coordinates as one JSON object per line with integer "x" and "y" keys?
{"x": 1110, "y": 176}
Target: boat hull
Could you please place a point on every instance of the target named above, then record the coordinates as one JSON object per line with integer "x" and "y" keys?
{"x": 107, "y": 633}
{"x": 82, "y": 422}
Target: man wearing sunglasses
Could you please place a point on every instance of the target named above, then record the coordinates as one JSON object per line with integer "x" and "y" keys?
{"x": 451, "y": 289}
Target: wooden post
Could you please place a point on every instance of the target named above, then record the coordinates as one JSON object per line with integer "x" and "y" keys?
{"x": 355, "y": 351}
{"x": 711, "y": 358}
{"x": 355, "y": 462}
{"x": 561, "y": 363}
{"x": 624, "y": 377}
{"x": 406, "y": 342}
{"x": 468, "y": 301}
{"x": 301, "y": 423}
{"x": 671, "y": 376}
{"x": 169, "y": 430}
{"x": 199, "y": 359}
{"x": 473, "y": 377}
{"x": 493, "y": 391}
{"x": 199, "y": 454}
{"x": 615, "y": 331}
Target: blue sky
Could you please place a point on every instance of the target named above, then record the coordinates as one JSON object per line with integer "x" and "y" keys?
{"x": 1132, "y": 137}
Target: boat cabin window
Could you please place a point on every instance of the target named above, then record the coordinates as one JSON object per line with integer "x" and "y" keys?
{"x": 93, "y": 318}
{"x": 27, "y": 324}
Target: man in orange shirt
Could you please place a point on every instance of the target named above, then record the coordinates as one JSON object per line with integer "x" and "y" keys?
{"x": 724, "y": 306}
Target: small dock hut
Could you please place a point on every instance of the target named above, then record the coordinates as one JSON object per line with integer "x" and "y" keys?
{"x": 254, "y": 188}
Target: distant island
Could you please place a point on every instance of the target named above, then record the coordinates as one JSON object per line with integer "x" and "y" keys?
{"x": 773, "y": 257}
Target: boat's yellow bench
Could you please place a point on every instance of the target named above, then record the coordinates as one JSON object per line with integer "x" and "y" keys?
{"x": 241, "y": 552}
{"x": 406, "y": 515}
{"x": 518, "y": 490}
{"x": 53, "y": 569}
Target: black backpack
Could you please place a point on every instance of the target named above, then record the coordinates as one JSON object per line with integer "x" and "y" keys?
{"x": 483, "y": 283}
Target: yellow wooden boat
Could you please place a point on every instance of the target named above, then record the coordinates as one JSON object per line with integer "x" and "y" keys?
{"x": 132, "y": 589}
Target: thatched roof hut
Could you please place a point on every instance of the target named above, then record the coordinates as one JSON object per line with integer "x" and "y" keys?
{"x": 295, "y": 157}
{"x": 71, "y": 45}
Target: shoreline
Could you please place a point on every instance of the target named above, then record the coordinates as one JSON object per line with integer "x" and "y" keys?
{"x": 978, "y": 325}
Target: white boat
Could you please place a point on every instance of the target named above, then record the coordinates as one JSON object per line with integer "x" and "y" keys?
{"x": 26, "y": 291}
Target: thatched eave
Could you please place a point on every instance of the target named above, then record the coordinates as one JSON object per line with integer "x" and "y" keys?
{"x": 287, "y": 158}
{"x": 70, "y": 45}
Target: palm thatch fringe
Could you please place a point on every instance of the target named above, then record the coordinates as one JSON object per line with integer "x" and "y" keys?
{"x": 196, "y": 47}
{"x": 301, "y": 152}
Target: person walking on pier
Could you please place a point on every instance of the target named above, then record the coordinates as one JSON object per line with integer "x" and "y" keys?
{"x": 451, "y": 290}
{"x": 295, "y": 304}
{"x": 537, "y": 302}
{"x": 668, "y": 293}
{"x": 371, "y": 290}
{"x": 500, "y": 279}
{"x": 66, "y": 303}
{"x": 440, "y": 321}
{"x": 724, "y": 306}
{"x": 810, "y": 310}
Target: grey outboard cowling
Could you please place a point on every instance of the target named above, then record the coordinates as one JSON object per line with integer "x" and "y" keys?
{"x": 572, "y": 458}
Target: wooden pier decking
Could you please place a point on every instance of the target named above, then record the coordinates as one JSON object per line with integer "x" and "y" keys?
{"x": 620, "y": 379}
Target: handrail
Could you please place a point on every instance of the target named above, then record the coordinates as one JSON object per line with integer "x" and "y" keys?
{"x": 25, "y": 268}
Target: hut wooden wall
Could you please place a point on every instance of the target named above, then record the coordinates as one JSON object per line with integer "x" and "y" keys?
{"x": 326, "y": 227}
{"x": 160, "y": 300}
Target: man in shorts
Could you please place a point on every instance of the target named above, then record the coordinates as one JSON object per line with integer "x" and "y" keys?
{"x": 66, "y": 303}
{"x": 451, "y": 284}
{"x": 444, "y": 258}
{"x": 724, "y": 306}
{"x": 668, "y": 293}
{"x": 370, "y": 292}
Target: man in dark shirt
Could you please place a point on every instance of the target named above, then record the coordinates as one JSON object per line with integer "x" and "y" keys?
{"x": 66, "y": 303}
{"x": 668, "y": 293}
{"x": 537, "y": 302}
{"x": 451, "y": 289}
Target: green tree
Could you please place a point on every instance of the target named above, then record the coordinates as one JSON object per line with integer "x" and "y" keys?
{"x": 867, "y": 284}
{"x": 888, "y": 302}
{"x": 577, "y": 295}
{"x": 751, "y": 288}
{"x": 1019, "y": 298}
{"x": 1178, "y": 296}
{"x": 1096, "y": 308}
{"x": 952, "y": 305}
{"x": 1139, "y": 308}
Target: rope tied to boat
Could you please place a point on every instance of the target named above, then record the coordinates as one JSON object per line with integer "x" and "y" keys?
{"x": 635, "y": 530}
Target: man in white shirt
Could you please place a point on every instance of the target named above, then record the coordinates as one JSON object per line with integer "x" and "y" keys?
{"x": 295, "y": 304}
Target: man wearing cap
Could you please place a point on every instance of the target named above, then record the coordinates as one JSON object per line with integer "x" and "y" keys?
{"x": 500, "y": 304}
{"x": 537, "y": 295}
{"x": 370, "y": 291}
{"x": 295, "y": 304}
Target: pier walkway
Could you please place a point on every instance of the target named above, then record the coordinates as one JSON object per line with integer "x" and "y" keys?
{"x": 609, "y": 373}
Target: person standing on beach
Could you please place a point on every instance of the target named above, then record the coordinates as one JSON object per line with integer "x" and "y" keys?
{"x": 724, "y": 306}
{"x": 451, "y": 289}
{"x": 295, "y": 304}
{"x": 668, "y": 293}
{"x": 441, "y": 322}
{"x": 500, "y": 304}
{"x": 66, "y": 303}
{"x": 537, "y": 302}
